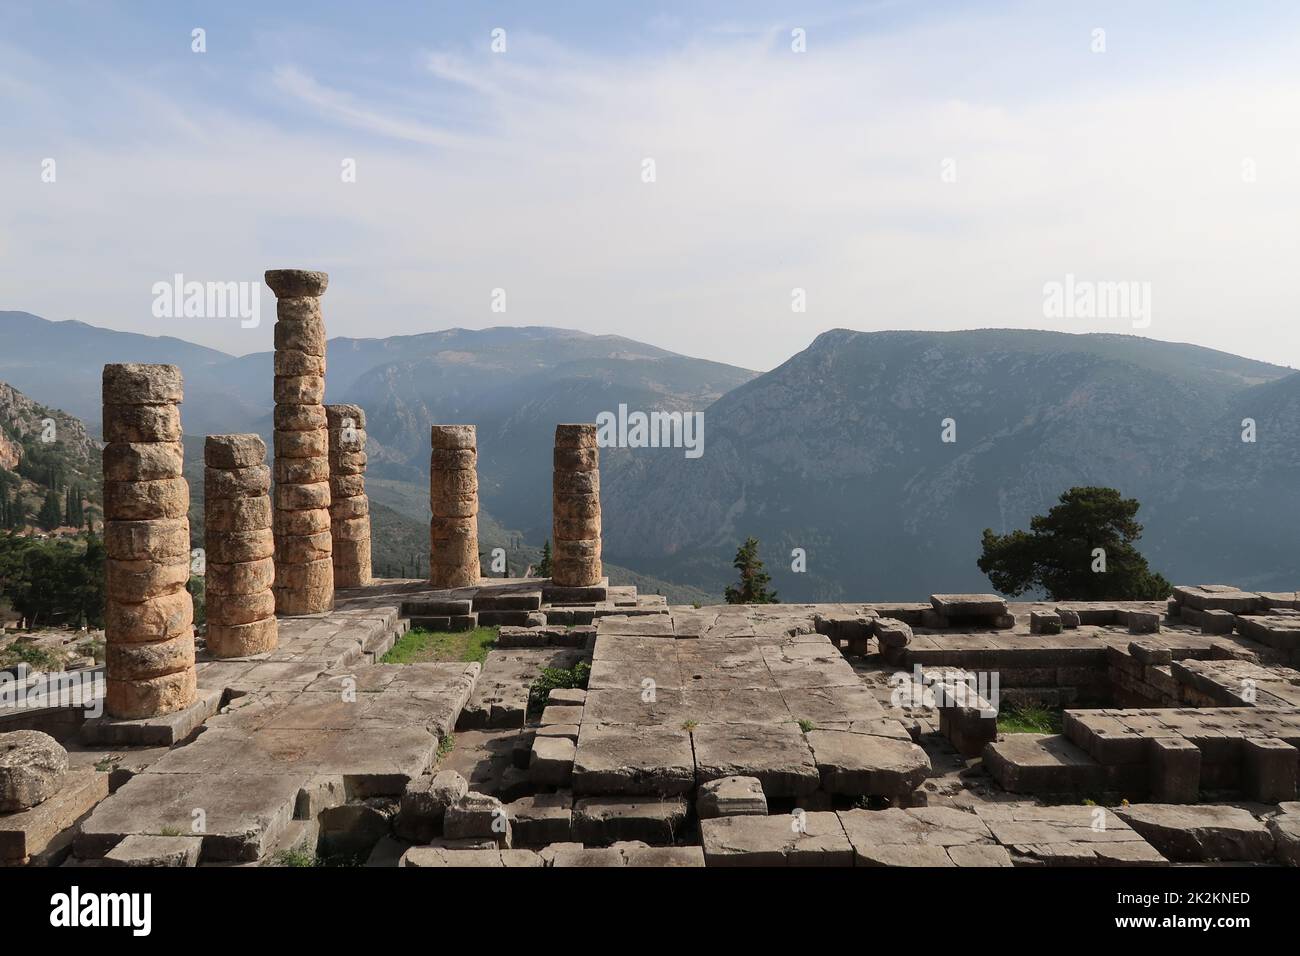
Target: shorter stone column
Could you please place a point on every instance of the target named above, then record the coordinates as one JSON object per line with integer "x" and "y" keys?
{"x": 240, "y": 547}
{"x": 148, "y": 613}
{"x": 453, "y": 499}
{"x": 349, "y": 506}
{"x": 575, "y": 508}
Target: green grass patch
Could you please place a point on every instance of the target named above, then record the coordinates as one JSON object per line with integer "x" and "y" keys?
{"x": 35, "y": 656}
{"x": 1030, "y": 718}
{"x": 552, "y": 678}
{"x": 423, "y": 647}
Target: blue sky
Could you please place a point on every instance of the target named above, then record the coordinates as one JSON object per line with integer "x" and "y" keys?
{"x": 775, "y": 170}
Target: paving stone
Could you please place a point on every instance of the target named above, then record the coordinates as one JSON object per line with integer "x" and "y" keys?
{"x": 661, "y": 856}
{"x": 796, "y": 839}
{"x": 141, "y": 850}
{"x": 777, "y": 755}
{"x": 567, "y": 696}
{"x": 1201, "y": 833}
{"x": 1066, "y": 836}
{"x": 243, "y": 815}
{"x": 604, "y": 820}
{"x": 968, "y": 605}
{"x": 620, "y": 759}
{"x": 731, "y": 797}
{"x": 856, "y": 764}
{"x": 1042, "y": 763}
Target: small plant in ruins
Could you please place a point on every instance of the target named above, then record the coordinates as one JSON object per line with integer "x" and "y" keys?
{"x": 553, "y": 678}
{"x": 807, "y": 725}
{"x": 754, "y": 580}
{"x": 690, "y": 725}
{"x": 1081, "y": 550}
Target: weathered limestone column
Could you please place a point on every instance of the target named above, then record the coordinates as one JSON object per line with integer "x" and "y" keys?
{"x": 148, "y": 614}
{"x": 239, "y": 545}
{"x": 575, "y": 508}
{"x": 349, "y": 506}
{"x": 304, "y": 566}
{"x": 453, "y": 498}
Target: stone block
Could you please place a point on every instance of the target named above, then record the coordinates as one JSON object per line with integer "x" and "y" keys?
{"x": 1269, "y": 767}
{"x": 1175, "y": 769}
{"x": 801, "y": 838}
{"x": 477, "y": 816}
{"x": 731, "y": 797}
{"x": 604, "y": 820}
{"x": 551, "y": 764}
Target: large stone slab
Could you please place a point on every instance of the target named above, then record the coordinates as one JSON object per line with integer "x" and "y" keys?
{"x": 1202, "y": 833}
{"x": 623, "y": 759}
{"x": 857, "y": 764}
{"x": 796, "y": 839}
{"x": 922, "y": 836}
{"x": 47, "y": 827}
{"x": 238, "y": 816}
{"x": 776, "y": 754}
{"x": 604, "y": 820}
{"x": 32, "y": 766}
{"x": 1066, "y": 836}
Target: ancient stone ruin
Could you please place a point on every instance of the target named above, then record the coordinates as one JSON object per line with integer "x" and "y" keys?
{"x": 575, "y": 507}
{"x": 604, "y": 727}
{"x": 149, "y": 614}
{"x": 453, "y": 499}
{"x": 304, "y": 564}
{"x": 349, "y": 506}
{"x": 239, "y": 547}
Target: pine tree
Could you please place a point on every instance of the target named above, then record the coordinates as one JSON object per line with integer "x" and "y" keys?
{"x": 544, "y": 565}
{"x": 753, "y": 579}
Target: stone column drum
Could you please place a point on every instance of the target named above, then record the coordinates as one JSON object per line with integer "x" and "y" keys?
{"x": 575, "y": 508}
{"x": 239, "y": 547}
{"x": 349, "y": 506}
{"x": 304, "y": 565}
{"x": 148, "y": 613}
{"x": 453, "y": 498}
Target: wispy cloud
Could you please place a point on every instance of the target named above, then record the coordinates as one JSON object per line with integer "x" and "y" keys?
{"x": 774, "y": 170}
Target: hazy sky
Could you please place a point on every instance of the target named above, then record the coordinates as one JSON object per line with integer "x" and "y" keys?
{"x": 920, "y": 165}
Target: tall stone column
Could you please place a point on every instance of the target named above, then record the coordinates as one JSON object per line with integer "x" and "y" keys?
{"x": 304, "y": 566}
{"x": 148, "y": 613}
{"x": 453, "y": 498}
{"x": 349, "y": 506}
{"x": 575, "y": 507}
{"x": 239, "y": 546}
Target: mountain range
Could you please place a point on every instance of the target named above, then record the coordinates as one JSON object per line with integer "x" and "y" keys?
{"x": 839, "y": 451}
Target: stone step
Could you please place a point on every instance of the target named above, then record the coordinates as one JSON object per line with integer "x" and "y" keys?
{"x": 519, "y": 601}
{"x": 1042, "y": 763}
{"x": 438, "y": 607}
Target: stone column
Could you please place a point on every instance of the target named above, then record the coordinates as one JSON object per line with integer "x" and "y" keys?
{"x": 349, "y": 506}
{"x": 453, "y": 498}
{"x": 304, "y": 566}
{"x": 240, "y": 547}
{"x": 148, "y": 613}
{"x": 575, "y": 508}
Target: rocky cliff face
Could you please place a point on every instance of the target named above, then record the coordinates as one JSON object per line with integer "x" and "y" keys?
{"x": 23, "y": 420}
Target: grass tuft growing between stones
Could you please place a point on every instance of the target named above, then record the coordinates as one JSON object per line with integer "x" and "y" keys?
{"x": 1030, "y": 718}
{"x": 419, "y": 646}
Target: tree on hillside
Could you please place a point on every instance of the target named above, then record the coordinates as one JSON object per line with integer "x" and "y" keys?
{"x": 753, "y": 579}
{"x": 543, "y": 569}
{"x": 1081, "y": 550}
{"x": 51, "y": 514}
